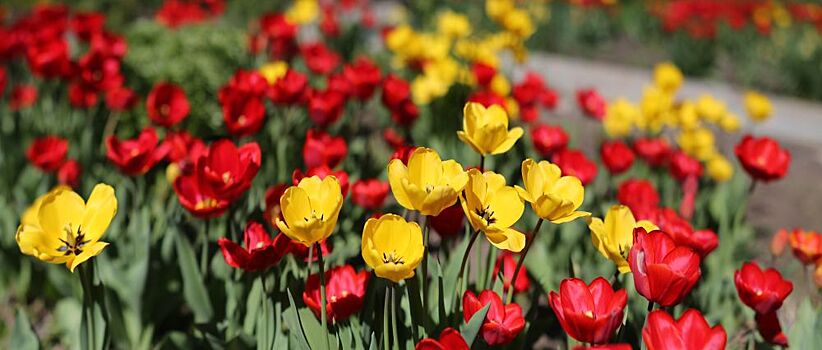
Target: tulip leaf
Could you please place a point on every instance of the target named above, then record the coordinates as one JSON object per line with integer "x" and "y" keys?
{"x": 312, "y": 326}
{"x": 295, "y": 326}
{"x": 452, "y": 270}
{"x": 470, "y": 330}
{"x": 194, "y": 289}
{"x": 23, "y": 336}
{"x": 805, "y": 334}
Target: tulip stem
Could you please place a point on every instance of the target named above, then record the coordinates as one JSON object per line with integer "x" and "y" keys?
{"x": 424, "y": 275}
{"x": 460, "y": 277}
{"x": 88, "y": 309}
{"x": 521, "y": 261}
{"x": 204, "y": 250}
{"x": 482, "y": 163}
{"x": 385, "y": 340}
{"x": 394, "y": 307}
{"x": 265, "y": 310}
{"x": 650, "y": 308}
{"x": 324, "y": 318}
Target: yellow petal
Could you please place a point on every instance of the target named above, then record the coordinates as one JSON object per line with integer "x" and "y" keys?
{"x": 454, "y": 175}
{"x": 397, "y": 172}
{"x": 59, "y": 211}
{"x": 514, "y": 241}
{"x": 100, "y": 210}
{"x": 507, "y": 206}
{"x": 471, "y": 113}
{"x": 424, "y": 167}
{"x": 89, "y": 251}
{"x": 569, "y": 188}
{"x": 571, "y": 217}
{"x": 510, "y": 139}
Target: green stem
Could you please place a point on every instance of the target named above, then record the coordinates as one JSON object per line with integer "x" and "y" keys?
{"x": 424, "y": 275}
{"x": 385, "y": 340}
{"x": 265, "y": 311}
{"x": 310, "y": 261}
{"x": 482, "y": 163}
{"x": 324, "y": 318}
{"x": 489, "y": 266}
{"x": 88, "y": 308}
{"x": 460, "y": 276}
{"x": 522, "y": 260}
{"x": 204, "y": 250}
{"x": 394, "y": 308}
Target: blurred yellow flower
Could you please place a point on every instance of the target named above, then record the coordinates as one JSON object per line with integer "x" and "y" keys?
{"x": 620, "y": 118}
{"x": 518, "y": 23}
{"x": 553, "y": 197}
{"x": 729, "y": 122}
{"x": 698, "y": 142}
{"x": 688, "y": 117}
{"x": 492, "y": 207}
{"x": 62, "y": 228}
{"x": 497, "y": 9}
{"x": 614, "y": 236}
{"x": 758, "y": 106}
{"x": 427, "y": 184}
{"x": 709, "y": 108}
{"x": 500, "y": 85}
{"x": 453, "y": 25}
{"x": 667, "y": 77}
{"x": 273, "y": 71}
{"x": 392, "y": 247}
{"x": 310, "y": 209}
{"x": 302, "y": 11}
{"x": 486, "y": 129}
{"x": 657, "y": 109}
{"x": 719, "y": 168}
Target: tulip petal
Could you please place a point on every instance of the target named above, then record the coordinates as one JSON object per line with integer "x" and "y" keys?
{"x": 89, "y": 251}
{"x": 100, "y": 210}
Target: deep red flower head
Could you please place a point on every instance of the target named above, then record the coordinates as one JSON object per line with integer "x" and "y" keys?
{"x": 683, "y": 166}
{"x": 167, "y": 104}
{"x": 322, "y": 171}
{"x": 763, "y": 158}
{"x": 450, "y": 221}
{"x": 509, "y": 264}
{"x": 136, "y": 156}
{"x": 328, "y": 23}
{"x": 81, "y": 95}
{"x": 702, "y": 242}
{"x": 406, "y": 114}
{"x": 337, "y": 82}
{"x": 320, "y": 148}
{"x": 770, "y": 329}
{"x": 450, "y": 339}
{"x": 369, "y": 193}
{"x": 48, "y": 58}
{"x": 403, "y": 153}
{"x": 22, "y": 96}
{"x": 260, "y": 252}
{"x": 247, "y": 82}
{"x": 109, "y": 44}
{"x": 548, "y": 139}
{"x": 198, "y": 198}
{"x": 502, "y": 323}
{"x": 184, "y": 149}
{"x": 319, "y": 58}
{"x": 588, "y": 313}
{"x": 488, "y": 98}
{"x": 69, "y": 173}
{"x": 3, "y": 79}
{"x": 243, "y": 114}
{"x": 87, "y": 24}
{"x": 575, "y": 163}
{"x": 363, "y": 76}
{"x": 529, "y": 92}
{"x": 393, "y": 138}
{"x": 99, "y": 72}
{"x": 592, "y": 103}
{"x": 664, "y": 272}
{"x": 47, "y": 153}
{"x": 325, "y": 107}
{"x": 121, "y": 99}
{"x": 806, "y": 245}
{"x": 229, "y": 169}
{"x": 653, "y": 151}
{"x": 763, "y": 291}
{"x": 291, "y": 88}
{"x": 277, "y": 27}
{"x": 345, "y": 291}
{"x": 639, "y": 195}
{"x": 175, "y": 13}
{"x": 483, "y": 72}
{"x": 616, "y": 156}
{"x": 690, "y": 332}
{"x": 395, "y": 92}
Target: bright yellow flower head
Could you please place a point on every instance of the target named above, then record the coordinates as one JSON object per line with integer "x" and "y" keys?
{"x": 492, "y": 207}
{"x": 758, "y": 106}
{"x": 667, "y": 77}
{"x": 730, "y": 123}
{"x": 719, "y": 168}
{"x": 688, "y": 117}
{"x": 518, "y": 23}
{"x": 614, "y": 236}
{"x": 62, "y": 228}
{"x": 497, "y": 9}
{"x": 709, "y": 108}
{"x": 500, "y": 85}
{"x": 273, "y": 71}
{"x": 427, "y": 184}
{"x": 620, "y": 118}
{"x": 657, "y": 109}
{"x": 553, "y": 197}
{"x": 303, "y": 11}
{"x": 698, "y": 142}
{"x": 486, "y": 129}
{"x": 310, "y": 209}
{"x": 453, "y": 25}
{"x": 392, "y": 247}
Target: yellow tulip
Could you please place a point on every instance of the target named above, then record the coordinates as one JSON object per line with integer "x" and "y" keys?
{"x": 614, "y": 236}
{"x": 667, "y": 77}
{"x": 427, "y": 184}
{"x": 719, "y": 168}
{"x": 730, "y": 123}
{"x": 453, "y": 24}
{"x": 62, "y": 228}
{"x": 310, "y": 209}
{"x": 709, "y": 108}
{"x": 273, "y": 71}
{"x": 518, "y": 23}
{"x": 303, "y": 11}
{"x": 553, "y": 197}
{"x": 492, "y": 207}
{"x": 392, "y": 247}
{"x": 497, "y": 9}
{"x": 620, "y": 117}
{"x": 758, "y": 106}
{"x": 486, "y": 129}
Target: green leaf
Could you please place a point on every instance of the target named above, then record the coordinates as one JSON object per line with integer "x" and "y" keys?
{"x": 23, "y": 336}
{"x": 470, "y": 330}
{"x": 194, "y": 289}
{"x": 805, "y": 332}
{"x": 313, "y": 327}
{"x": 292, "y": 321}
{"x": 452, "y": 269}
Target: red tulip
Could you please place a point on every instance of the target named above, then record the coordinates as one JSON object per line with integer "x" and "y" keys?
{"x": 69, "y": 173}
{"x": 328, "y": 23}
{"x": 47, "y": 153}
{"x": 616, "y": 156}
{"x": 575, "y": 163}
{"x": 320, "y": 148}
{"x": 548, "y": 139}
{"x": 664, "y": 273}
{"x": 806, "y": 245}
{"x": 319, "y": 58}
{"x": 484, "y": 73}
{"x": 620, "y": 346}
{"x": 260, "y": 252}
{"x": 370, "y": 193}
{"x": 395, "y": 91}
{"x": 702, "y": 242}
{"x": 136, "y": 156}
{"x": 763, "y": 291}
{"x": 99, "y": 72}
{"x": 22, "y": 96}
{"x": 509, "y": 264}
{"x": 243, "y": 114}
{"x": 393, "y": 138}
{"x": 502, "y": 323}
{"x": 406, "y": 114}
{"x": 87, "y": 24}
{"x": 763, "y": 158}
{"x": 653, "y": 151}
{"x": 588, "y": 313}
{"x": 322, "y": 171}
{"x": 121, "y": 99}
{"x": 683, "y": 166}
{"x": 364, "y": 76}
{"x": 640, "y": 196}
{"x": 48, "y": 58}
{"x": 325, "y": 107}
{"x": 245, "y": 82}
{"x": 184, "y": 149}
{"x": 450, "y": 339}
{"x": 592, "y": 103}
{"x": 690, "y": 332}
{"x": 450, "y": 221}
{"x": 167, "y": 104}
{"x": 337, "y": 82}
{"x": 345, "y": 291}
{"x": 770, "y": 329}
{"x": 488, "y": 98}
{"x": 81, "y": 95}
{"x": 109, "y": 44}
{"x": 197, "y": 198}
{"x": 229, "y": 169}
{"x": 3, "y": 80}
{"x": 290, "y": 89}
{"x": 403, "y": 153}
{"x": 530, "y": 91}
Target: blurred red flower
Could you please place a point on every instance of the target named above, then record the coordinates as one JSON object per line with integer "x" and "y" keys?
{"x": 770, "y": 329}
{"x": 806, "y": 245}
{"x": 592, "y": 103}
{"x": 121, "y": 99}
{"x": 320, "y": 148}
{"x": 167, "y": 104}
{"x": 639, "y": 195}
{"x": 509, "y": 264}
{"x": 363, "y": 76}
{"x": 575, "y": 163}
{"x": 653, "y": 151}
{"x": 22, "y": 96}
{"x": 69, "y": 173}
{"x": 369, "y": 193}
{"x": 81, "y": 95}
{"x": 483, "y": 73}
{"x": 319, "y": 58}
{"x": 325, "y": 107}
{"x": 47, "y": 153}
{"x": 198, "y": 198}
{"x": 548, "y": 139}
{"x": 450, "y": 339}
{"x": 763, "y": 158}
{"x": 450, "y": 221}
{"x": 683, "y": 166}
{"x": 290, "y": 89}
{"x": 702, "y": 242}
{"x": 616, "y": 156}
{"x": 243, "y": 114}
